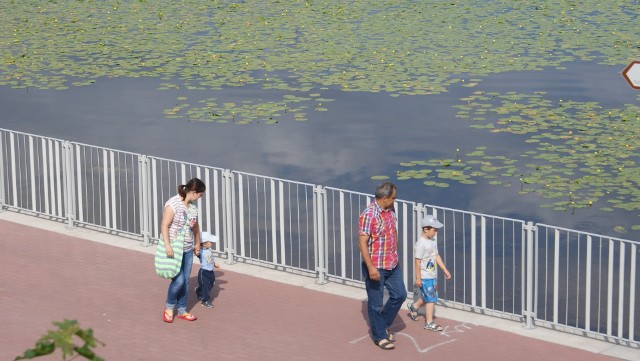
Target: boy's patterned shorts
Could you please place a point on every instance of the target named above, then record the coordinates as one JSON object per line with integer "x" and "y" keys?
{"x": 429, "y": 290}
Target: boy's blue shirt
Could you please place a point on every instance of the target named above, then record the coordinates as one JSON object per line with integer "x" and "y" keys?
{"x": 206, "y": 259}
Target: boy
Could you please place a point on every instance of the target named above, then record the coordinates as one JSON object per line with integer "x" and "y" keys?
{"x": 427, "y": 261}
{"x": 206, "y": 276}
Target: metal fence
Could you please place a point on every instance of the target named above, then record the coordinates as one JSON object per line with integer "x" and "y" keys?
{"x": 537, "y": 274}
{"x": 586, "y": 281}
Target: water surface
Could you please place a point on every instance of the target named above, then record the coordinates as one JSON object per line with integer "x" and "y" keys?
{"x": 362, "y": 135}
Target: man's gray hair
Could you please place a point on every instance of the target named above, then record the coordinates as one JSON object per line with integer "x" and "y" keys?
{"x": 385, "y": 189}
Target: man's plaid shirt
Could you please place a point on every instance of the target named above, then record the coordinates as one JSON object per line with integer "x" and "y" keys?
{"x": 381, "y": 227}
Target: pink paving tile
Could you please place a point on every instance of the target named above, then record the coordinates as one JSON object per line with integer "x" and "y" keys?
{"x": 48, "y": 276}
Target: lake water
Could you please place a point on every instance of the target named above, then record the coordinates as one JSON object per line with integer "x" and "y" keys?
{"x": 360, "y": 136}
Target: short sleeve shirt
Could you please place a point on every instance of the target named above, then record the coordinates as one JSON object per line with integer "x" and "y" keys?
{"x": 183, "y": 217}
{"x": 381, "y": 227}
{"x": 207, "y": 260}
{"x": 427, "y": 251}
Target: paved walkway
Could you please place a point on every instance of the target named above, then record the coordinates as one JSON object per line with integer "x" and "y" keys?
{"x": 50, "y": 273}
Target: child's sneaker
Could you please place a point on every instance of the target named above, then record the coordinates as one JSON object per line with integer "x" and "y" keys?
{"x": 207, "y": 304}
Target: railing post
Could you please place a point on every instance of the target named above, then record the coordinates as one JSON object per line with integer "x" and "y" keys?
{"x": 228, "y": 211}
{"x": 419, "y": 211}
{"x": 14, "y": 185}
{"x": 319, "y": 210}
{"x": 69, "y": 191}
{"x": 483, "y": 262}
{"x": 2, "y": 171}
{"x": 144, "y": 196}
{"x": 529, "y": 312}
{"x": 474, "y": 270}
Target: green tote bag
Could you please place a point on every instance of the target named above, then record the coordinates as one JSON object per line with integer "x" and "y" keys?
{"x": 169, "y": 267}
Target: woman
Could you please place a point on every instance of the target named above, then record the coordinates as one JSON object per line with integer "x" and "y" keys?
{"x": 180, "y": 218}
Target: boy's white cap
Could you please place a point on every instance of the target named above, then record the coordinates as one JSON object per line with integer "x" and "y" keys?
{"x": 430, "y": 221}
{"x": 208, "y": 237}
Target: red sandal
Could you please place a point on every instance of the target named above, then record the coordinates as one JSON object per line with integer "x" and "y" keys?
{"x": 187, "y": 316}
{"x": 167, "y": 316}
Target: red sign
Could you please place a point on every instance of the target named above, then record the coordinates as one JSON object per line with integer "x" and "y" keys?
{"x": 632, "y": 74}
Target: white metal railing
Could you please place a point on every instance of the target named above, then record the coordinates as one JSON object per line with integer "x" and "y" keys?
{"x": 586, "y": 281}
{"x": 537, "y": 274}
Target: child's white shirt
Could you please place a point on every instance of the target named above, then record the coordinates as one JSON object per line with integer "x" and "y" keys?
{"x": 427, "y": 250}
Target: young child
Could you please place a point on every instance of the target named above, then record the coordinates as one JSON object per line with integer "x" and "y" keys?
{"x": 206, "y": 277}
{"x": 427, "y": 261}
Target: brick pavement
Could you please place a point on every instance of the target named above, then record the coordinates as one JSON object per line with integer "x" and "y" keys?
{"x": 48, "y": 276}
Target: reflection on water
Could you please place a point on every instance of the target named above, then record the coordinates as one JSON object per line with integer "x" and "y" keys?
{"x": 360, "y": 136}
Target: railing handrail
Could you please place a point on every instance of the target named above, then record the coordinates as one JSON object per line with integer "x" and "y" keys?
{"x": 588, "y": 233}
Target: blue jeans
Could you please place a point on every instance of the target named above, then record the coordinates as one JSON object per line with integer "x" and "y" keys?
{"x": 381, "y": 315}
{"x": 179, "y": 286}
{"x": 206, "y": 280}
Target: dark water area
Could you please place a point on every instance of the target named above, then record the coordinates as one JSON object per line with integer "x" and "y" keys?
{"x": 360, "y": 136}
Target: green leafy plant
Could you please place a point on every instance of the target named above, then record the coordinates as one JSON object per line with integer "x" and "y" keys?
{"x": 63, "y": 338}
{"x": 275, "y": 46}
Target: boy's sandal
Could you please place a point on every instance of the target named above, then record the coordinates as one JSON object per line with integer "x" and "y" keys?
{"x": 433, "y": 327}
{"x": 413, "y": 313}
{"x": 385, "y": 344}
{"x": 167, "y": 316}
{"x": 187, "y": 316}
{"x": 391, "y": 336}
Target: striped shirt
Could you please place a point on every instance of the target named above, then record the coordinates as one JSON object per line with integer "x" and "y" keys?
{"x": 181, "y": 216}
{"x": 381, "y": 228}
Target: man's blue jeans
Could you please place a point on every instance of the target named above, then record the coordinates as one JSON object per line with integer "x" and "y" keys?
{"x": 381, "y": 315}
{"x": 179, "y": 287}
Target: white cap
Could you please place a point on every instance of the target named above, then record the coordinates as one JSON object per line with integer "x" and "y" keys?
{"x": 430, "y": 221}
{"x": 208, "y": 237}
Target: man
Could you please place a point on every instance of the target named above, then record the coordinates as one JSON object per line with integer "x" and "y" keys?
{"x": 378, "y": 243}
